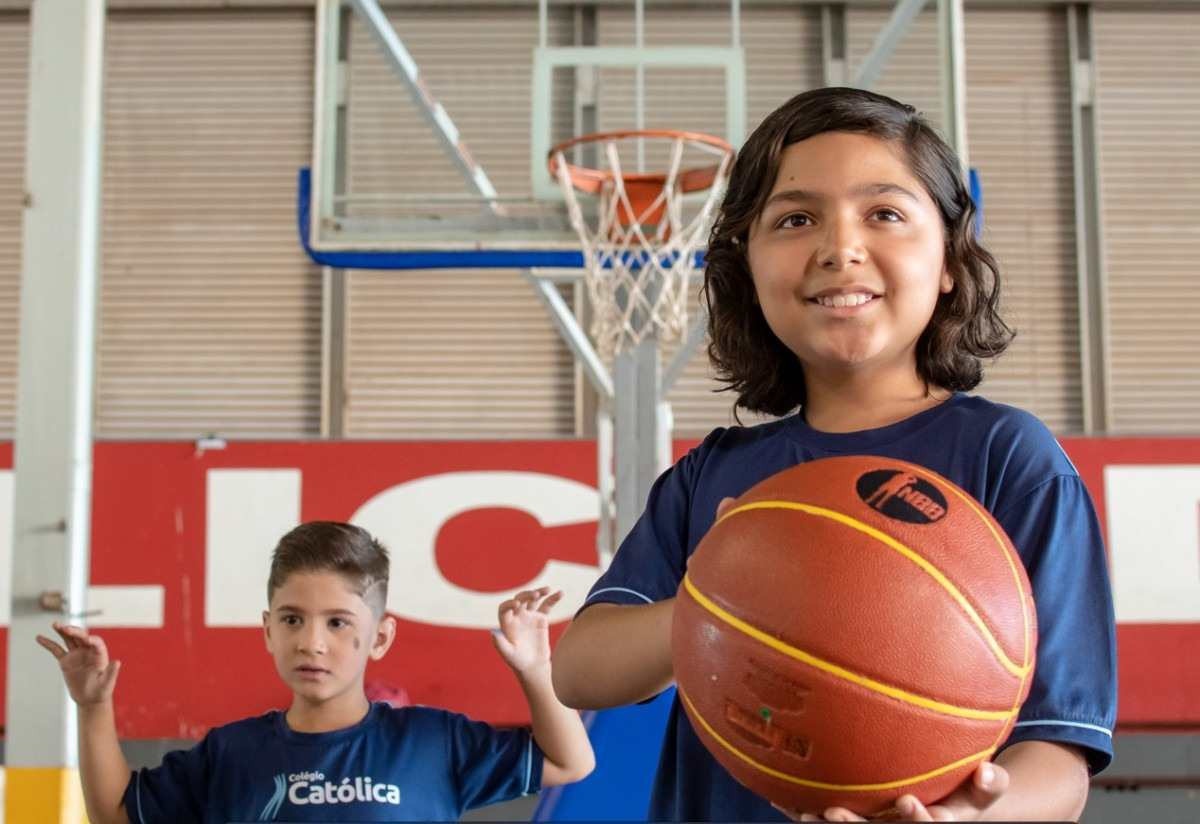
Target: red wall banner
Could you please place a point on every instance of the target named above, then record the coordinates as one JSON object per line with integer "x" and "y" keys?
{"x": 181, "y": 539}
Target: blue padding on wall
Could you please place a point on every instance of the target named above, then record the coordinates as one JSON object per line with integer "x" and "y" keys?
{"x": 627, "y": 741}
{"x": 976, "y": 187}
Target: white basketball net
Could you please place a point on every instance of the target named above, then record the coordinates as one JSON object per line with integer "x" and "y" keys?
{"x": 638, "y": 262}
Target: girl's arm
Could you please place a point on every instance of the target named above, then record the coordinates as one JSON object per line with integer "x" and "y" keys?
{"x": 613, "y": 655}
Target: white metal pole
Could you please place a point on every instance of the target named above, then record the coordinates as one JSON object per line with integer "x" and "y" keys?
{"x": 53, "y": 445}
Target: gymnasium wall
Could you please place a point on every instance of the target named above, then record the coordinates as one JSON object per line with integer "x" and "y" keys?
{"x": 181, "y": 540}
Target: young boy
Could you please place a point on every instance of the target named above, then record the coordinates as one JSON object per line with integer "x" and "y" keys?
{"x": 333, "y": 756}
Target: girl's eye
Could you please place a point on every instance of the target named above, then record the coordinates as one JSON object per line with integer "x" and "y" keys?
{"x": 795, "y": 221}
{"x": 888, "y": 215}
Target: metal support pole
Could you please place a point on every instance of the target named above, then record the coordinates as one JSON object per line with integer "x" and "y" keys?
{"x": 334, "y": 281}
{"x": 444, "y": 130}
{"x": 53, "y": 445}
{"x": 1092, "y": 280}
{"x": 833, "y": 45}
{"x": 952, "y": 46}
{"x": 889, "y": 37}
{"x": 636, "y": 385}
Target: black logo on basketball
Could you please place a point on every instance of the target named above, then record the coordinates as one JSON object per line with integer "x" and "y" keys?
{"x": 902, "y": 495}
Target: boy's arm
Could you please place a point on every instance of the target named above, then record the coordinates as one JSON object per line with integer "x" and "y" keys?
{"x": 613, "y": 655}
{"x": 523, "y": 641}
{"x": 91, "y": 679}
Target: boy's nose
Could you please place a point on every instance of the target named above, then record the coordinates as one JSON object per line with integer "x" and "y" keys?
{"x": 311, "y": 641}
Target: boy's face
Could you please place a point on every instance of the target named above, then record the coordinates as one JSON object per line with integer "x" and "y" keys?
{"x": 847, "y": 256}
{"x": 321, "y": 634}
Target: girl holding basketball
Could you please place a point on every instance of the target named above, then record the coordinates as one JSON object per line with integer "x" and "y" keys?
{"x": 845, "y": 286}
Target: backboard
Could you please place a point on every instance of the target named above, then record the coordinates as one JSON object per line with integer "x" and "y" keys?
{"x": 432, "y": 126}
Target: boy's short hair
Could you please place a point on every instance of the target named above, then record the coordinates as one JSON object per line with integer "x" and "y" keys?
{"x": 966, "y": 327}
{"x": 332, "y": 546}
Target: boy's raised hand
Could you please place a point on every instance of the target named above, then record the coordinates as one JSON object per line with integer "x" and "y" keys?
{"x": 90, "y": 676}
{"x": 523, "y": 639}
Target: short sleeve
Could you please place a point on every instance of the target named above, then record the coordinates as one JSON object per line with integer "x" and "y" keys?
{"x": 174, "y": 791}
{"x": 650, "y": 562}
{"x": 1073, "y": 698}
{"x": 492, "y": 765}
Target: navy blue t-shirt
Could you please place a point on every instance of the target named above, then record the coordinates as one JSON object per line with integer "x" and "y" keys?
{"x": 1006, "y": 459}
{"x": 415, "y": 763}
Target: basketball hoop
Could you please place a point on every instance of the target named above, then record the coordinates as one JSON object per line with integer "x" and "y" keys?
{"x": 641, "y": 253}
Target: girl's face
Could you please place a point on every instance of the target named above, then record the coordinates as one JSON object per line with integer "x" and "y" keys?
{"x": 848, "y": 256}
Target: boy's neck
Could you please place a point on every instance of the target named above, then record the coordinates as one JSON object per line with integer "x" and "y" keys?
{"x": 328, "y": 716}
{"x": 859, "y": 402}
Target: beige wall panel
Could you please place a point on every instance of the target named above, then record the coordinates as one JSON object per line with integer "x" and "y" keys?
{"x": 454, "y": 354}
{"x": 1148, "y": 66}
{"x": 1019, "y": 133}
{"x": 14, "y": 59}
{"x": 211, "y": 312}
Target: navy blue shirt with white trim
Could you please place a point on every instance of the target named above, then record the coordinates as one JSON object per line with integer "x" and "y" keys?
{"x": 1006, "y": 459}
{"x": 408, "y": 764}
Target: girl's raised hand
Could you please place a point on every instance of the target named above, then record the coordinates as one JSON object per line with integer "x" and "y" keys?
{"x": 89, "y": 675}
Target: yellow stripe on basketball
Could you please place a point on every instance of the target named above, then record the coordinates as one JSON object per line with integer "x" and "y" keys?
{"x": 1018, "y": 670}
{"x": 841, "y": 672}
{"x": 824, "y": 785}
{"x": 987, "y": 521}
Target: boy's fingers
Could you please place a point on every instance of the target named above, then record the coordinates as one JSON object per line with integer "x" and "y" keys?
{"x": 110, "y": 674}
{"x": 68, "y": 634}
{"x": 502, "y": 644}
{"x": 549, "y": 601}
{"x": 52, "y": 647}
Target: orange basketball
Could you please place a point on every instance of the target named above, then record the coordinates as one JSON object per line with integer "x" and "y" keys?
{"x": 852, "y": 630}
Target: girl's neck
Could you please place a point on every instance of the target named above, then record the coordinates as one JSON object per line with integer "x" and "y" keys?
{"x": 337, "y": 713}
{"x": 865, "y": 401}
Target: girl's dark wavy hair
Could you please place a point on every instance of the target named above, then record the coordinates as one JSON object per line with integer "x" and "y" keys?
{"x": 966, "y": 327}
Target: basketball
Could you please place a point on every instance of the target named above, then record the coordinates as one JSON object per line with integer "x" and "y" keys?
{"x": 851, "y": 630}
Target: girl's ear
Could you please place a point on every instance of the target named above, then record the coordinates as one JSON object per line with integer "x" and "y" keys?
{"x": 947, "y": 282}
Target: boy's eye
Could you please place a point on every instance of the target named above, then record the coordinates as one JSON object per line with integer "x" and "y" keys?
{"x": 291, "y": 620}
{"x": 338, "y": 623}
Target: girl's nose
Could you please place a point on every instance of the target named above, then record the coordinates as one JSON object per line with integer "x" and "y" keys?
{"x": 841, "y": 246}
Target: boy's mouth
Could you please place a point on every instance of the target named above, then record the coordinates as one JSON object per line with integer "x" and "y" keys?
{"x": 311, "y": 672}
